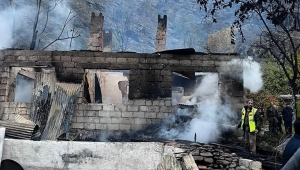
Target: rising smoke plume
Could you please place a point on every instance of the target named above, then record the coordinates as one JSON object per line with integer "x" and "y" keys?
{"x": 212, "y": 115}
{"x": 246, "y": 70}
{"x": 6, "y": 28}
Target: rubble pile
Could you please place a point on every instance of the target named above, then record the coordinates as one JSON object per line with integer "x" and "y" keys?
{"x": 208, "y": 156}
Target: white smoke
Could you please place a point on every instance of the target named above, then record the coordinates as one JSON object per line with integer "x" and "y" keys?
{"x": 247, "y": 70}
{"x": 252, "y": 75}
{"x": 6, "y": 30}
{"x": 24, "y": 89}
{"x": 211, "y": 118}
{"x": 17, "y": 21}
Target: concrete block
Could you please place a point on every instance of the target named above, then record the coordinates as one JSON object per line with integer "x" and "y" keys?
{"x": 82, "y": 106}
{"x": 21, "y": 111}
{"x": 127, "y": 114}
{"x": 162, "y": 115}
{"x": 120, "y": 107}
{"x": 144, "y": 108}
{"x": 90, "y": 113}
{"x": 161, "y": 103}
{"x": 136, "y": 126}
{"x": 155, "y": 121}
{"x": 68, "y": 64}
{"x": 78, "y": 113}
{"x": 23, "y": 105}
{"x": 108, "y": 107}
{"x": 113, "y": 126}
{"x": 166, "y": 73}
{"x": 105, "y": 120}
{"x": 77, "y": 125}
{"x": 139, "y": 102}
{"x": 185, "y": 62}
{"x": 5, "y": 116}
{"x": 95, "y": 107}
{"x": 128, "y": 102}
{"x": 173, "y": 62}
{"x": 121, "y": 60}
{"x": 66, "y": 58}
{"x": 9, "y": 110}
{"x": 116, "y": 120}
{"x": 140, "y": 121}
{"x": 101, "y": 126}
{"x": 12, "y": 104}
{"x": 153, "y": 109}
{"x": 111, "y": 60}
{"x": 128, "y": 121}
{"x": 3, "y": 86}
{"x": 162, "y": 61}
{"x": 155, "y": 102}
{"x": 2, "y": 98}
{"x": 165, "y": 109}
{"x": 104, "y": 114}
{"x": 150, "y": 115}
{"x": 93, "y": 119}
{"x": 125, "y": 127}
{"x": 132, "y": 108}
{"x": 89, "y": 126}
{"x": 148, "y": 102}
{"x": 139, "y": 114}
{"x": 115, "y": 114}
{"x": 168, "y": 103}
{"x": 82, "y": 119}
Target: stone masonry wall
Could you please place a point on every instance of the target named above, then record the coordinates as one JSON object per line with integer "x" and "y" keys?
{"x": 134, "y": 115}
{"x": 150, "y": 83}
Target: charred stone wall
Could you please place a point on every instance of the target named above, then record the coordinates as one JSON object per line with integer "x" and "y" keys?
{"x": 150, "y": 83}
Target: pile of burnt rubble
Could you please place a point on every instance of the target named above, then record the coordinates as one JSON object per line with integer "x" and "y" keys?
{"x": 220, "y": 156}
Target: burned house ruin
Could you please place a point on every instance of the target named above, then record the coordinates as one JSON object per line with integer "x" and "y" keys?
{"x": 81, "y": 94}
{"x": 105, "y": 90}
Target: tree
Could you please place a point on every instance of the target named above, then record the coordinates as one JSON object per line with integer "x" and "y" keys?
{"x": 35, "y": 31}
{"x": 280, "y": 22}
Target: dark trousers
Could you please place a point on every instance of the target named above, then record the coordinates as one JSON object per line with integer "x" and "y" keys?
{"x": 288, "y": 127}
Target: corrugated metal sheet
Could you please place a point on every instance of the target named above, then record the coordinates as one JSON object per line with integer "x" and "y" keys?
{"x": 62, "y": 109}
{"x": 21, "y": 119}
{"x": 18, "y": 130}
{"x": 41, "y": 100}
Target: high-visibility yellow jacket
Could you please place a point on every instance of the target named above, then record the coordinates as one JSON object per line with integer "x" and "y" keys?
{"x": 251, "y": 119}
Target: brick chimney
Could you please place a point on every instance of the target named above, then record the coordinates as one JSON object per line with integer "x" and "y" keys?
{"x": 160, "y": 43}
{"x": 96, "y": 33}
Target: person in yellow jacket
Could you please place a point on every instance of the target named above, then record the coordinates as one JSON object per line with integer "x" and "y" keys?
{"x": 250, "y": 123}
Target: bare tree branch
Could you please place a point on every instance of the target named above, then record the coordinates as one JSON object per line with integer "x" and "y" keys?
{"x": 68, "y": 19}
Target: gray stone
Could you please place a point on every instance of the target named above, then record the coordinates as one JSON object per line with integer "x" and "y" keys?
{"x": 198, "y": 158}
{"x": 209, "y": 160}
{"x": 206, "y": 154}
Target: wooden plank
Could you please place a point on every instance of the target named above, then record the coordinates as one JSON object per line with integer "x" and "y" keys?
{"x": 28, "y": 74}
{"x": 189, "y": 162}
